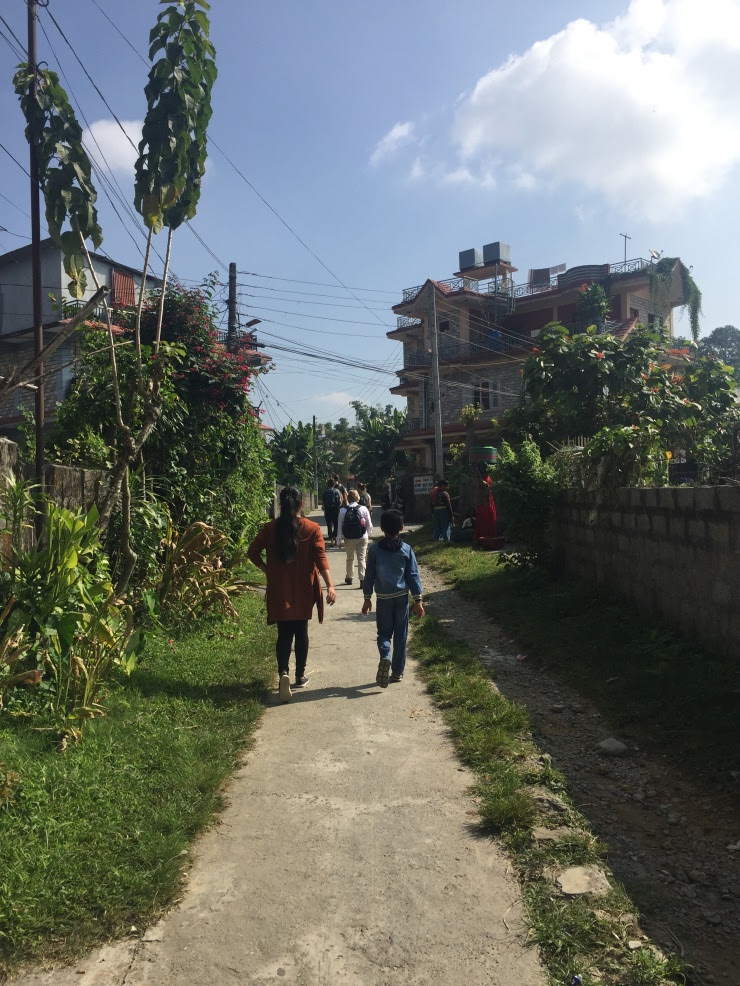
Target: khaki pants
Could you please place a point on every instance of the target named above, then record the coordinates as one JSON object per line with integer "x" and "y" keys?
{"x": 356, "y": 547}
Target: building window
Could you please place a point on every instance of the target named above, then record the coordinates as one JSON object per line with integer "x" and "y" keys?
{"x": 655, "y": 321}
{"x": 444, "y": 326}
{"x": 494, "y": 393}
{"x": 123, "y": 293}
{"x": 482, "y": 395}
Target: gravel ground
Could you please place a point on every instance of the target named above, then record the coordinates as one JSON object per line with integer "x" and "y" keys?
{"x": 674, "y": 845}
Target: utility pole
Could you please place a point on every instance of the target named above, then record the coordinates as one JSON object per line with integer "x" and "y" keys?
{"x": 315, "y": 464}
{"x": 625, "y": 245}
{"x": 438, "y": 457}
{"x": 231, "y": 332}
{"x": 38, "y": 325}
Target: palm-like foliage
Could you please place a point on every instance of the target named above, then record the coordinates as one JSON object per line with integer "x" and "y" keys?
{"x": 377, "y": 458}
{"x": 292, "y": 454}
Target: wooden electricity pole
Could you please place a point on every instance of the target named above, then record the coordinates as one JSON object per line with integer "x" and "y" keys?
{"x": 38, "y": 325}
{"x": 438, "y": 457}
{"x": 231, "y": 332}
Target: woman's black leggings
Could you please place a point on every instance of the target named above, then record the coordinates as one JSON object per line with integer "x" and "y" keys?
{"x": 287, "y": 630}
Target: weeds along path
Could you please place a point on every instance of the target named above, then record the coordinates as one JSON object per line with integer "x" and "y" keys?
{"x": 347, "y": 852}
{"x": 673, "y": 846}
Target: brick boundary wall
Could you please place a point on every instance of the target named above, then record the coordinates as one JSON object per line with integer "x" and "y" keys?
{"x": 674, "y": 552}
{"x": 68, "y": 486}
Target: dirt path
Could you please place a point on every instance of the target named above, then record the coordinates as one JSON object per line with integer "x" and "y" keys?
{"x": 346, "y": 853}
{"x": 675, "y": 847}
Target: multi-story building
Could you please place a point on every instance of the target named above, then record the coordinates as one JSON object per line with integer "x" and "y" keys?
{"x": 16, "y": 321}
{"x": 16, "y": 318}
{"x": 486, "y": 327}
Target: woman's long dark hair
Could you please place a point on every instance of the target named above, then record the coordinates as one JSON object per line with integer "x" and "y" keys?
{"x": 286, "y": 526}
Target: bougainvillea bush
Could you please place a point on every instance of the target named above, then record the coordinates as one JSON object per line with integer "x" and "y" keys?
{"x": 206, "y": 457}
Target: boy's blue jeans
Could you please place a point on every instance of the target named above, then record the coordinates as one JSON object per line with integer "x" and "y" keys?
{"x": 442, "y": 525}
{"x": 392, "y": 619}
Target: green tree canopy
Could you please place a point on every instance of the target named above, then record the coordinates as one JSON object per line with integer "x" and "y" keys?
{"x": 377, "y": 433}
{"x": 724, "y": 343}
{"x": 628, "y": 394}
{"x": 291, "y": 449}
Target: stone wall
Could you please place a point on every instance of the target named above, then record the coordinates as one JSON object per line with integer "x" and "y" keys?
{"x": 68, "y": 486}
{"x": 673, "y": 552}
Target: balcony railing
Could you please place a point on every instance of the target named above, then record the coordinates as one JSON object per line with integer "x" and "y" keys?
{"x": 414, "y": 424}
{"x": 584, "y": 272}
{"x": 450, "y": 286}
{"x": 406, "y": 322}
{"x": 70, "y": 309}
{"x": 451, "y": 350}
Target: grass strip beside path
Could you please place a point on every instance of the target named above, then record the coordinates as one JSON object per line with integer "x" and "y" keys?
{"x": 679, "y": 695}
{"x": 516, "y": 788}
{"x": 96, "y": 839}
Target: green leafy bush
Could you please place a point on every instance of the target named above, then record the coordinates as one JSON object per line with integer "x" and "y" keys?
{"x": 59, "y": 592}
{"x": 195, "y": 577}
{"x": 525, "y": 487}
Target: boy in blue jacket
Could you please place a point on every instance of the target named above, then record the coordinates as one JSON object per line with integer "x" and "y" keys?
{"x": 392, "y": 572}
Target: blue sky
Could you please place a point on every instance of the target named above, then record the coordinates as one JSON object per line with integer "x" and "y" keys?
{"x": 390, "y": 136}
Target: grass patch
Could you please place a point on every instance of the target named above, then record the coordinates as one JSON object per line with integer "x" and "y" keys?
{"x": 637, "y": 671}
{"x": 581, "y": 936}
{"x": 96, "y": 839}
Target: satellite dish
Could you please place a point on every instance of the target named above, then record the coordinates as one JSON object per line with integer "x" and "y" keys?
{"x": 655, "y": 254}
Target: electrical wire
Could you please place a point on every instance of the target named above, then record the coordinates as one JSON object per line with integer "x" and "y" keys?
{"x": 123, "y": 130}
{"x": 24, "y": 170}
{"x": 17, "y": 52}
{"x": 309, "y": 294}
{"x": 15, "y": 37}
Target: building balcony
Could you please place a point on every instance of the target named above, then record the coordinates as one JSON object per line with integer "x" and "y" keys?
{"x": 404, "y": 325}
{"x": 576, "y": 276}
{"x": 405, "y": 385}
{"x": 419, "y": 434}
{"x": 457, "y": 351}
{"x": 496, "y": 291}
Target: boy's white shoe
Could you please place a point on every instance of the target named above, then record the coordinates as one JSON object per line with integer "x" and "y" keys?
{"x": 284, "y": 688}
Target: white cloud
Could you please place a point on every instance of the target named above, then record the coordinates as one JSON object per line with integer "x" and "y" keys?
{"x": 337, "y": 399}
{"x": 114, "y": 145}
{"x": 397, "y": 136}
{"x": 641, "y": 112}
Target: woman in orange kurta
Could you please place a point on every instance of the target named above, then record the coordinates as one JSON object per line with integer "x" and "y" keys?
{"x": 295, "y": 556}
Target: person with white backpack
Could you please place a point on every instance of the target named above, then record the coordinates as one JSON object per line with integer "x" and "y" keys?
{"x": 354, "y": 529}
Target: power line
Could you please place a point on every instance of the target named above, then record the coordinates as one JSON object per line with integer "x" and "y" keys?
{"x": 316, "y": 284}
{"x": 323, "y": 318}
{"x": 17, "y": 52}
{"x": 91, "y": 80}
{"x": 106, "y": 184}
{"x": 122, "y": 128}
{"x": 17, "y": 40}
{"x": 25, "y": 172}
{"x": 301, "y": 301}
{"x": 121, "y": 34}
{"x": 11, "y": 202}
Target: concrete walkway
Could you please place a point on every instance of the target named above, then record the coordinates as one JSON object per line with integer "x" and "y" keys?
{"x": 347, "y": 853}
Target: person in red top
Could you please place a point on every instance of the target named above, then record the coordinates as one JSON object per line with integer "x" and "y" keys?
{"x": 485, "y": 511}
{"x": 296, "y": 554}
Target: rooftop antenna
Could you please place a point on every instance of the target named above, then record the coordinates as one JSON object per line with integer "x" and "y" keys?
{"x": 655, "y": 254}
{"x": 624, "y": 235}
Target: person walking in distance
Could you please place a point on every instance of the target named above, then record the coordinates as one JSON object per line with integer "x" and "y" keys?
{"x": 392, "y": 571}
{"x": 442, "y": 511}
{"x": 342, "y": 490}
{"x": 355, "y": 527}
{"x": 331, "y": 501}
{"x": 294, "y": 547}
{"x": 365, "y": 498}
